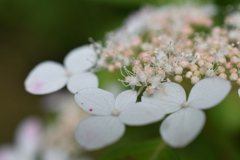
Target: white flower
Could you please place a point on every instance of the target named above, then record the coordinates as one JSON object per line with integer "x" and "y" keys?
{"x": 182, "y": 126}
{"x": 107, "y": 126}
{"x": 51, "y": 76}
{"x": 27, "y": 142}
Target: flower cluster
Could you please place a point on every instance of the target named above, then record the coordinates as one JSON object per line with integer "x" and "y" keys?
{"x": 155, "y": 47}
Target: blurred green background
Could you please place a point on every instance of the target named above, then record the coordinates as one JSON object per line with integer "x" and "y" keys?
{"x": 32, "y": 31}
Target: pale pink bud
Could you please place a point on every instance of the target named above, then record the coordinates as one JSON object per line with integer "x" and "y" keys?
{"x": 149, "y": 70}
{"x": 228, "y": 65}
{"x": 149, "y": 90}
{"x": 209, "y": 65}
{"x": 184, "y": 63}
{"x": 137, "y": 41}
{"x": 238, "y": 81}
{"x": 201, "y": 63}
{"x": 238, "y": 65}
{"x": 178, "y": 70}
{"x": 136, "y": 69}
{"x": 136, "y": 62}
{"x": 178, "y": 78}
{"x": 233, "y": 70}
{"x": 233, "y": 77}
{"x": 234, "y": 60}
{"x": 222, "y": 60}
{"x": 189, "y": 74}
{"x": 127, "y": 52}
{"x": 194, "y": 79}
{"x": 211, "y": 59}
{"x": 193, "y": 67}
{"x": 111, "y": 68}
{"x": 145, "y": 57}
{"x": 221, "y": 69}
{"x": 202, "y": 71}
{"x": 118, "y": 65}
{"x": 196, "y": 73}
{"x": 223, "y": 76}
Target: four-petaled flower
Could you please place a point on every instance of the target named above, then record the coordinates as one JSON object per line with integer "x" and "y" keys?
{"x": 51, "y": 76}
{"x": 107, "y": 126}
{"x": 182, "y": 126}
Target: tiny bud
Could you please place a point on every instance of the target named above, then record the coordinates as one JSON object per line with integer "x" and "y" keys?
{"x": 202, "y": 71}
{"x": 194, "y": 79}
{"x": 111, "y": 68}
{"x": 209, "y": 65}
{"x": 145, "y": 57}
{"x": 233, "y": 70}
{"x": 201, "y": 63}
{"x": 221, "y": 69}
{"x": 184, "y": 63}
{"x": 178, "y": 78}
{"x": 178, "y": 70}
{"x": 222, "y": 60}
{"x": 233, "y": 77}
{"x": 149, "y": 90}
{"x": 149, "y": 70}
{"x": 196, "y": 73}
{"x": 234, "y": 60}
{"x": 193, "y": 67}
{"x": 211, "y": 59}
{"x": 118, "y": 65}
{"x": 238, "y": 81}
{"x": 223, "y": 76}
{"x": 228, "y": 65}
{"x": 189, "y": 74}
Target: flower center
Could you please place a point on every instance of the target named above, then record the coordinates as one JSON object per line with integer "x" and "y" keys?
{"x": 185, "y": 105}
{"x": 68, "y": 73}
{"x": 115, "y": 112}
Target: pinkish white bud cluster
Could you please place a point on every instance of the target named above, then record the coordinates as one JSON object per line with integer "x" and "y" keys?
{"x": 160, "y": 45}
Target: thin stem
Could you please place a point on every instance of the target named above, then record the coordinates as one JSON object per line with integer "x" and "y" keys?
{"x": 140, "y": 90}
{"x": 157, "y": 152}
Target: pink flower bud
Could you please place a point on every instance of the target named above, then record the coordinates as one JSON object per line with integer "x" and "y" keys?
{"x": 223, "y": 76}
{"x": 233, "y": 70}
{"x": 222, "y": 60}
{"x": 234, "y": 60}
{"x": 194, "y": 79}
{"x": 201, "y": 63}
{"x": 221, "y": 69}
{"x": 178, "y": 70}
{"x": 209, "y": 65}
{"x": 184, "y": 63}
{"x": 111, "y": 68}
{"x": 193, "y": 67}
{"x": 189, "y": 74}
{"x": 145, "y": 57}
{"x": 149, "y": 90}
{"x": 233, "y": 77}
{"x": 178, "y": 78}
{"x": 228, "y": 65}
{"x": 211, "y": 59}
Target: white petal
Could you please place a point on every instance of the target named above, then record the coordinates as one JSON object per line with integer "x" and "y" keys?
{"x": 141, "y": 114}
{"x": 7, "y": 153}
{"x": 55, "y": 153}
{"x": 99, "y": 131}
{"x": 126, "y": 98}
{"x": 80, "y": 59}
{"x": 82, "y": 80}
{"x": 170, "y": 96}
{"x": 95, "y": 101}
{"x": 28, "y": 136}
{"x": 209, "y": 92}
{"x": 45, "y": 78}
{"x": 181, "y": 127}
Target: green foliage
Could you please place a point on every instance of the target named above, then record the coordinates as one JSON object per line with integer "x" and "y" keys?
{"x": 148, "y": 150}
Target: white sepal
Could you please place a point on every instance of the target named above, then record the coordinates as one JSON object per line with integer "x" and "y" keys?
{"x": 170, "y": 96}
{"x": 125, "y": 98}
{"x": 82, "y": 80}
{"x": 181, "y": 127}
{"x": 45, "y": 78}
{"x": 141, "y": 114}
{"x": 95, "y": 101}
{"x": 208, "y": 93}
{"x": 99, "y": 131}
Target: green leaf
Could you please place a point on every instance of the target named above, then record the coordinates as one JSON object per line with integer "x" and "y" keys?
{"x": 148, "y": 150}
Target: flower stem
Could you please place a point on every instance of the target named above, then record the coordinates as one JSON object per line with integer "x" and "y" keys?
{"x": 140, "y": 90}
{"x": 158, "y": 150}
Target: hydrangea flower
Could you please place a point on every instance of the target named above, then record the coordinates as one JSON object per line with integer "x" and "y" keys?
{"x": 51, "y": 76}
{"x": 188, "y": 119}
{"x": 108, "y": 126}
